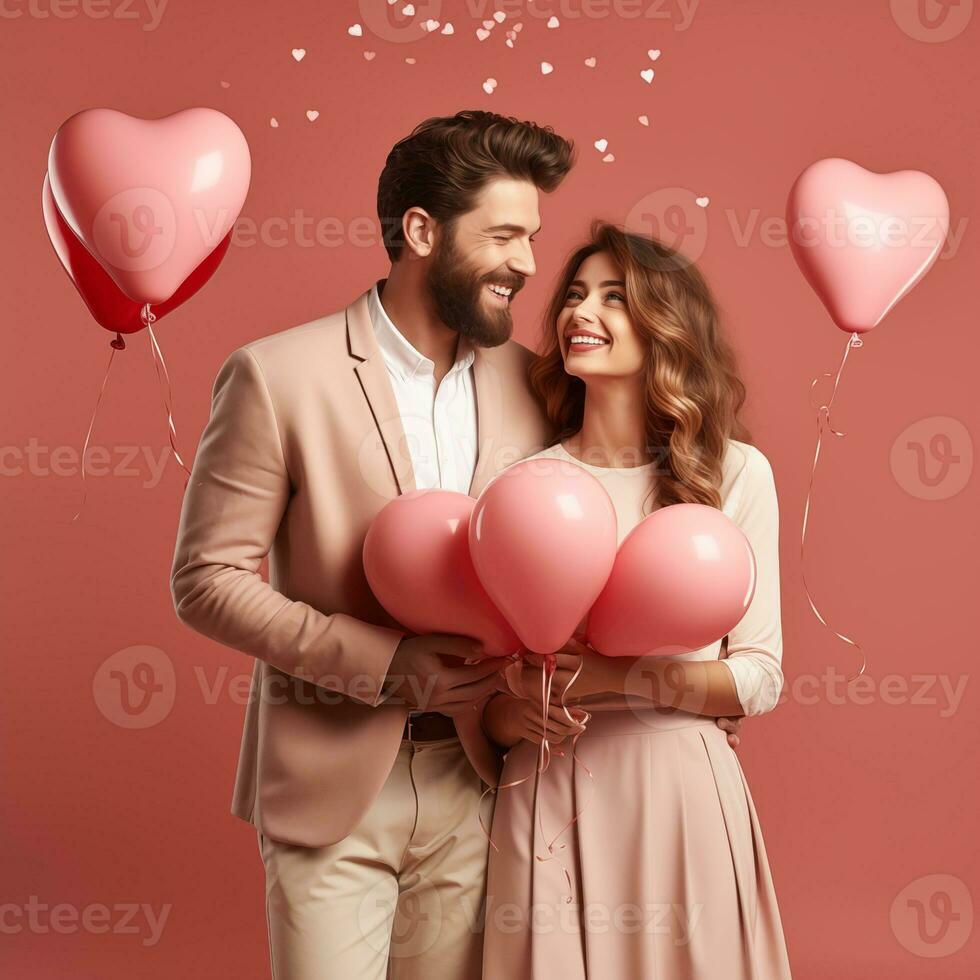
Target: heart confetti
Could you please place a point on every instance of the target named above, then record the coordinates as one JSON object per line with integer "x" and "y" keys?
{"x": 546, "y": 69}
{"x": 299, "y": 54}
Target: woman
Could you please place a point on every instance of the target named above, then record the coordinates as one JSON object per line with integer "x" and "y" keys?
{"x": 664, "y": 873}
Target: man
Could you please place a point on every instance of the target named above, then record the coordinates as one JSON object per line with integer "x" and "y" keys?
{"x": 363, "y": 761}
{"x": 359, "y": 809}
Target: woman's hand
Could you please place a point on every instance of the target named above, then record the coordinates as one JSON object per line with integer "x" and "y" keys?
{"x": 596, "y": 674}
{"x": 507, "y": 720}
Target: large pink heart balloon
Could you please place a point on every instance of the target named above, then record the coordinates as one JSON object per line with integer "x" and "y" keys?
{"x": 543, "y": 541}
{"x": 683, "y": 577}
{"x": 149, "y": 198}
{"x": 417, "y": 562}
{"x": 863, "y": 239}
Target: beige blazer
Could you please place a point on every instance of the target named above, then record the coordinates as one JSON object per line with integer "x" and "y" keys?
{"x": 303, "y": 447}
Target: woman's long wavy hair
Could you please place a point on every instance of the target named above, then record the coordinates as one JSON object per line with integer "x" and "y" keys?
{"x": 693, "y": 390}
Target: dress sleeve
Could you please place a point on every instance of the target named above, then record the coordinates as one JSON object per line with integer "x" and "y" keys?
{"x": 755, "y": 644}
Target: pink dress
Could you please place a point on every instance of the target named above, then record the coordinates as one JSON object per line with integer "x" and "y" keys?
{"x": 664, "y": 875}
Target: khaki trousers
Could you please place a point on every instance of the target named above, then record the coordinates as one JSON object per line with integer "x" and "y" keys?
{"x": 401, "y": 897}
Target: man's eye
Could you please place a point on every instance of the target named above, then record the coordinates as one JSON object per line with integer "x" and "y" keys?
{"x": 503, "y": 239}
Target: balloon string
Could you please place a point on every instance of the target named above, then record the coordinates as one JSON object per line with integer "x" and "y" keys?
{"x": 547, "y": 672}
{"x": 117, "y": 343}
{"x": 163, "y": 377}
{"x": 823, "y": 418}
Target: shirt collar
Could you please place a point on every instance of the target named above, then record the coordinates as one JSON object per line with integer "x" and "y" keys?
{"x": 400, "y": 354}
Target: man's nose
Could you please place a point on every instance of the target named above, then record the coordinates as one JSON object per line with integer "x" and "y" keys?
{"x": 522, "y": 262}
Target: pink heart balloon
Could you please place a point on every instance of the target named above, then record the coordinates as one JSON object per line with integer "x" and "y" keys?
{"x": 863, "y": 239}
{"x": 149, "y": 198}
{"x": 417, "y": 562}
{"x": 683, "y": 577}
{"x": 543, "y": 541}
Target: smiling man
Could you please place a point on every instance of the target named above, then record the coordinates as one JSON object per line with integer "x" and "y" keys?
{"x": 362, "y": 761}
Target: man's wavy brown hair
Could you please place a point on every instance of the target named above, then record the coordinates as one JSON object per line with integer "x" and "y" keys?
{"x": 693, "y": 389}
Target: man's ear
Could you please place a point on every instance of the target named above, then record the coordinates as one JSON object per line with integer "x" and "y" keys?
{"x": 418, "y": 232}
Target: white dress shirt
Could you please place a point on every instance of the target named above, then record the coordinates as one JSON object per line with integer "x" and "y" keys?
{"x": 439, "y": 423}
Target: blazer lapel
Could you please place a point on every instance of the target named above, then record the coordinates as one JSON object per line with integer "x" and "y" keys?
{"x": 376, "y": 385}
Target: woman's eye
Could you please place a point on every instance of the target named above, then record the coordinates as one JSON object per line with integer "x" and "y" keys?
{"x": 618, "y": 296}
{"x": 572, "y": 294}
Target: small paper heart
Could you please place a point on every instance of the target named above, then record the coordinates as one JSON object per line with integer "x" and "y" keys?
{"x": 654, "y": 53}
{"x": 354, "y": 30}
{"x": 702, "y": 202}
{"x": 369, "y": 56}
{"x": 647, "y": 75}
{"x": 546, "y": 69}
{"x": 489, "y": 85}
{"x": 226, "y": 84}
{"x": 553, "y": 22}
{"x": 518, "y": 27}
{"x": 644, "y": 120}
{"x": 312, "y": 114}
{"x": 509, "y": 42}
{"x": 430, "y": 25}
{"x": 447, "y": 29}
{"x": 499, "y": 16}
{"x": 608, "y": 158}
{"x": 489, "y": 25}
{"x": 601, "y": 145}
{"x": 274, "y": 123}
{"x": 590, "y": 62}
{"x": 408, "y": 10}
{"x": 299, "y": 54}
{"x": 409, "y": 61}
{"x": 482, "y": 34}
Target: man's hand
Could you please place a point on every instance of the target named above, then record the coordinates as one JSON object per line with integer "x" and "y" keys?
{"x": 732, "y": 726}
{"x": 429, "y": 673}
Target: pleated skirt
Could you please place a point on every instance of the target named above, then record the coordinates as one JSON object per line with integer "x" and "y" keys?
{"x": 663, "y": 875}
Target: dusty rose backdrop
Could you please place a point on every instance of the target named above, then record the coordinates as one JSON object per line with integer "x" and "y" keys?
{"x": 120, "y": 727}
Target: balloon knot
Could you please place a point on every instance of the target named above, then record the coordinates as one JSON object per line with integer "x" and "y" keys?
{"x": 117, "y": 342}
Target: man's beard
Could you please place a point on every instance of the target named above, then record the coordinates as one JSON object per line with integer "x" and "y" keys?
{"x": 456, "y": 291}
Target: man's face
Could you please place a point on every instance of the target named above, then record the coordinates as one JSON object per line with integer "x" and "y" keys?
{"x": 482, "y": 260}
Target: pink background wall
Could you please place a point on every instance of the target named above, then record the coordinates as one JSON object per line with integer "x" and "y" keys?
{"x": 868, "y": 801}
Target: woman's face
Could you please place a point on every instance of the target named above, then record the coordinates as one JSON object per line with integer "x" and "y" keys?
{"x": 596, "y": 335}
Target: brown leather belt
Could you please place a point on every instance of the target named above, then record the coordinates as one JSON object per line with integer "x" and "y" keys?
{"x": 429, "y": 726}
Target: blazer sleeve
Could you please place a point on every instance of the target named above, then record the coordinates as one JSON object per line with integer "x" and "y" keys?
{"x": 755, "y": 644}
{"x": 236, "y": 497}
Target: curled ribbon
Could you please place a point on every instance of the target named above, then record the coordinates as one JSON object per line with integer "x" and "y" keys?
{"x": 163, "y": 377}
{"x": 823, "y": 418}
{"x": 544, "y": 757}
